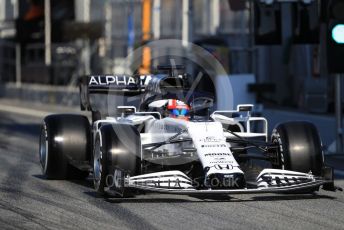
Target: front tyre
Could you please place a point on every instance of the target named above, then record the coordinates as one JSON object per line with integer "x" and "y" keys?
{"x": 300, "y": 147}
{"x": 116, "y": 149}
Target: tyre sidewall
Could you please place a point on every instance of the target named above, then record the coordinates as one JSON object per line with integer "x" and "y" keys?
{"x": 99, "y": 140}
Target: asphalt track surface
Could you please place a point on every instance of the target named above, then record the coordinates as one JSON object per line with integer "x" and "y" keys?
{"x": 27, "y": 201}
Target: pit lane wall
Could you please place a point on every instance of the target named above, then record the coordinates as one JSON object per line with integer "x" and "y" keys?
{"x": 53, "y": 95}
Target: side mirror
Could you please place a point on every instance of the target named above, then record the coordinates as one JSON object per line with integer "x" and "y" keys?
{"x": 126, "y": 110}
{"x": 245, "y": 108}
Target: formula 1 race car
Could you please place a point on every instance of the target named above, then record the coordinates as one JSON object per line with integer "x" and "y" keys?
{"x": 172, "y": 143}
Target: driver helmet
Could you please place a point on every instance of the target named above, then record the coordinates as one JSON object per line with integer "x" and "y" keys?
{"x": 178, "y": 109}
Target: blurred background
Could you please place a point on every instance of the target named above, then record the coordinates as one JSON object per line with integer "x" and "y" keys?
{"x": 279, "y": 53}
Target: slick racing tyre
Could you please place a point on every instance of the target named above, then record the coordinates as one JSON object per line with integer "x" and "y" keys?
{"x": 300, "y": 147}
{"x": 115, "y": 155}
{"x": 63, "y": 139}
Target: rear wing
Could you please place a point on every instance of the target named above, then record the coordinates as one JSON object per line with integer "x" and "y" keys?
{"x": 110, "y": 84}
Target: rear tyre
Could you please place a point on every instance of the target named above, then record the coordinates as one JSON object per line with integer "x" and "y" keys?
{"x": 116, "y": 149}
{"x": 64, "y": 138}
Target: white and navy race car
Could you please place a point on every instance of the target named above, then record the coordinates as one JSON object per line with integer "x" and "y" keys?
{"x": 170, "y": 143}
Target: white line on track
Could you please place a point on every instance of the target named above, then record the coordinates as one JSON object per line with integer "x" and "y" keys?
{"x": 24, "y": 111}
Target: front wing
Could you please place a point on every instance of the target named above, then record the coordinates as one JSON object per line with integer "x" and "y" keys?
{"x": 268, "y": 181}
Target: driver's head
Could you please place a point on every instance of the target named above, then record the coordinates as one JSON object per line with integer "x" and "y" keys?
{"x": 178, "y": 109}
